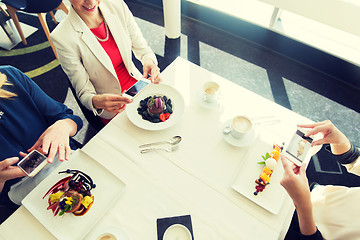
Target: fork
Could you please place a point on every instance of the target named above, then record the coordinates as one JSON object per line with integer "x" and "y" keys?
{"x": 167, "y": 149}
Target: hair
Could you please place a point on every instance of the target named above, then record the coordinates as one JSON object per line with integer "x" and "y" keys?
{"x": 4, "y": 82}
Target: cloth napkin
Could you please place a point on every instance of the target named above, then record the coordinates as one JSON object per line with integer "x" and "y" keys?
{"x": 164, "y": 223}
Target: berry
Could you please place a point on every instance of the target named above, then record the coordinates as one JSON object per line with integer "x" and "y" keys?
{"x": 62, "y": 204}
{"x": 72, "y": 183}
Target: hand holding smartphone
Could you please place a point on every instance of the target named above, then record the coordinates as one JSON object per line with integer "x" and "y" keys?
{"x": 32, "y": 163}
{"x": 136, "y": 88}
{"x": 298, "y": 148}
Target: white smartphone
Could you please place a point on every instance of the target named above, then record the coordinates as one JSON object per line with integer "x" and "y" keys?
{"x": 298, "y": 148}
{"x": 32, "y": 163}
{"x": 136, "y": 88}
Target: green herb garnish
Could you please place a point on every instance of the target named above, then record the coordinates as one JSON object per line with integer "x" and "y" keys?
{"x": 267, "y": 155}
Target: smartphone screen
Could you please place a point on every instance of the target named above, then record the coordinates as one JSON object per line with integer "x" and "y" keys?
{"x": 29, "y": 163}
{"x": 136, "y": 88}
{"x": 299, "y": 146}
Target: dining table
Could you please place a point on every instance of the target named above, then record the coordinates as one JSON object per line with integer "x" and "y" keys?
{"x": 207, "y": 177}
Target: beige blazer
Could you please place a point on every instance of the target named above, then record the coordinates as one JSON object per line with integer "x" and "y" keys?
{"x": 336, "y": 208}
{"x": 86, "y": 63}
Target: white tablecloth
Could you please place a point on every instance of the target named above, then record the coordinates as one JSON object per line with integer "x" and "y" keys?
{"x": 195, "y": 180}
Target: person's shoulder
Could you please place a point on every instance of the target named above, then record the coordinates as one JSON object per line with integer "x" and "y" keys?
{"x": 12, "y": 73}
{"x": 15, "y": 76}
{"x": 7, "y": 68}
{"x": 62, "y": 27}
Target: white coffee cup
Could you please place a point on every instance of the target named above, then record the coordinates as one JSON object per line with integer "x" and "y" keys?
{"x": 211, "y": 92}
{"x": 240, "y": 126}
{"x": 106, "y": 236}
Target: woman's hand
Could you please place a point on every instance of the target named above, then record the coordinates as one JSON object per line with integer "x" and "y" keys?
{"x": 7, "y": 171}
{"x": 339, "y": 142}
{"x": 150, "y": 68}
{"x": 296, "y": 184}
{"x": 112, "y": 103}
{"x": 56, "y": 139}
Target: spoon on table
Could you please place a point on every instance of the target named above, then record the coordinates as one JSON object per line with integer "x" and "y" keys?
{"x": 174, "y": 140}
{"x": 167, "y": 149}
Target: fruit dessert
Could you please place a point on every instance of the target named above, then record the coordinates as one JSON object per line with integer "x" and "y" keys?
{"x": 71, "y": 194}
{"x": 155, "y": 108}
{"x": 270, "y": 162}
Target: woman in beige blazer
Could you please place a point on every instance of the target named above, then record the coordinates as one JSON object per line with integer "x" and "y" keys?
{"x": 87, "y": 64}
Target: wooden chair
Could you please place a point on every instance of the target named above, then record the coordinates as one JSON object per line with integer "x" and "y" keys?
{"x": 40, "y": 7}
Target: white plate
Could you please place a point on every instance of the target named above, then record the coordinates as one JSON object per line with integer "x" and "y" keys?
{"x": 243, "y": 142}
{"x": 114, "y": 231}
{"x": 108, "y": 189}
{"x": 177, "y": 101}
{"x": 177, "y": 232}
{"x": 273, "y": 195}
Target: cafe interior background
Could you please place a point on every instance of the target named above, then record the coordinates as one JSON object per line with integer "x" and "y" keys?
{"x": 304, "y": 56}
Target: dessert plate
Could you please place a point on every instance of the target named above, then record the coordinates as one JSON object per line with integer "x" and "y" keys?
{"x": 177, "y": 231}
{"x": 177, "y": 101}
{"x": 273, "y": 195}
{"x": 243, "y": 142}
{"x": 70, "y": 226}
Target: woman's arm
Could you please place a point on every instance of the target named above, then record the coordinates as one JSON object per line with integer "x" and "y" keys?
{"x": 72, "y": 64}
{"x": 338, "y": 141}
{"x": 344, "y": 152}
{"x": 140, "y": 47}
{"x": 296, "y": 184}
{"x": 61, "y": 121}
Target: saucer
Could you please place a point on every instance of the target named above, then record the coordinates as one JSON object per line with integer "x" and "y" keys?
{"x": 243, "y": 142}
{"x": 208, "y": 105}
{"x": 108, "y": 231}
{"x": 177, "y": 231}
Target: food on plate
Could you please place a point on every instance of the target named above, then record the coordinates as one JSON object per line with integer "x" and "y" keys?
{"x": 270, "y": 162}
{"x": 155, "y": 105}
{"x": 155, "y": 108}
{"x": 71, "y": 194}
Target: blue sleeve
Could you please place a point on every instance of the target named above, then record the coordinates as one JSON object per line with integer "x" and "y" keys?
{"x": 51, "y": 110}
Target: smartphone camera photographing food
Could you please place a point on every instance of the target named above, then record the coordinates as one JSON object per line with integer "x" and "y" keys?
{"x": 33, "y": 163}
{"x": 298, "y": 148}
{"x": 136, "y": 88}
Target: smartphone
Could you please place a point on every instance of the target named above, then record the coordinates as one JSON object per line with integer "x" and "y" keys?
{"x": 298, "y": 148}
{"x": 32, "y": 163}
{"x": 136, "y": 88}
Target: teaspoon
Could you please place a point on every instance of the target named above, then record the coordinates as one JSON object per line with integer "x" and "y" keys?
{"x": 174, "y": 140}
